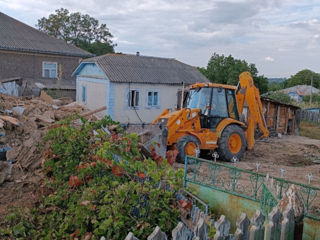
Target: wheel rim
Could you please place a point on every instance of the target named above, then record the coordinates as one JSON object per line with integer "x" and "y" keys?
{"x": 191, "y": 149}
{"x": 235, "y": 143}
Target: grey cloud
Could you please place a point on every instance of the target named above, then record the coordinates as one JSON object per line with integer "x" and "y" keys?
{"x": 191, "y": 30}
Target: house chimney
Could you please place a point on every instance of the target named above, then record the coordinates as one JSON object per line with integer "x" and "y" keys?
{"x": 138, "y": 53}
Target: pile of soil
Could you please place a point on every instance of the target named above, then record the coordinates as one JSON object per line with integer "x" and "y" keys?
{"x": 29, "y": 120}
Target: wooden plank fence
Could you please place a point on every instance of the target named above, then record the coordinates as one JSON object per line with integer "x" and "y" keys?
{"x": 310, "y": 116}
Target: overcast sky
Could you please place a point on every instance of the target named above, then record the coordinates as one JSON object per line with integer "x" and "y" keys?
{"x": 281, "y": 37}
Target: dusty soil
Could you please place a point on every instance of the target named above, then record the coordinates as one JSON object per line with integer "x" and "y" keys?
{"x": 295, "y": 154}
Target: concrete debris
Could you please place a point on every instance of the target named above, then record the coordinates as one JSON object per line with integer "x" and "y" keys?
{"x": 24, "y": 121}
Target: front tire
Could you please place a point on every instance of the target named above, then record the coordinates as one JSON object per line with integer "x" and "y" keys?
{"x": 187, "y": 145}
{"x": 232, "y": 143}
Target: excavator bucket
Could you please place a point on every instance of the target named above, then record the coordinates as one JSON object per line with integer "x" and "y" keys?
{"x": 153, "y": 142}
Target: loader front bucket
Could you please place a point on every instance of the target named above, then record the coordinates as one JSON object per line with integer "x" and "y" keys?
{"x": 154, "y": 141}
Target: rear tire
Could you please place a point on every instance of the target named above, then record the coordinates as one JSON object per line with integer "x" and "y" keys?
{"x": 187, "y": 145}
{"x": 232, "y": 143}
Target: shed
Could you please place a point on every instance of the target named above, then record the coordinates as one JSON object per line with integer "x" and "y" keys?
{"x": 281, "y": 117}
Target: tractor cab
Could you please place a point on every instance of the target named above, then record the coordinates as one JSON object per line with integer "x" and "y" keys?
{"x": 215, "y": 102}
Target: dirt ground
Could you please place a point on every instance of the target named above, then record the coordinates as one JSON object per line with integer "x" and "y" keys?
{"x": 295, "y": 154}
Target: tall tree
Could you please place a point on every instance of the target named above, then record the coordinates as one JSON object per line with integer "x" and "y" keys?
{"x": 303, "y": 77}
{"x": 78, "y": 29}
{"x": 226, "y": 70}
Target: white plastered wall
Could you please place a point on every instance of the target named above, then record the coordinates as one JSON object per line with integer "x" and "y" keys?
{"x": 96, "y": 95}
{"x": 124, "y": 114}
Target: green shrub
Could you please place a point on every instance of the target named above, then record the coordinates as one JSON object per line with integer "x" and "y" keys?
{"x": 99, "y": 185}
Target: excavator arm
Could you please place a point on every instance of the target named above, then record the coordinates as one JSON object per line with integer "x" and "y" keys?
{"x": 249, "y": 94}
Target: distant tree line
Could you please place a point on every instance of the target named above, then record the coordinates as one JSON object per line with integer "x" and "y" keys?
{"x": 226, "y": 70}
{"x": 303, "y": 77}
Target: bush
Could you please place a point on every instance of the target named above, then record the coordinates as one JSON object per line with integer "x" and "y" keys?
{"x": 280, "y": 97}
{"x": 315, "y": 99}
{"x": 99, "y": 185}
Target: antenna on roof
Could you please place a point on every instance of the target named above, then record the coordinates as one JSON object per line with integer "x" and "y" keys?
{"x": 138, "y": 54}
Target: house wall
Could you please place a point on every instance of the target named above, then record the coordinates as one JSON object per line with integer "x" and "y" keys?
{"x": 97, "y": 87}
{"x": 29, "y": 65}
{"x": 96, "y": 92}
{"x": 124, "y": 114}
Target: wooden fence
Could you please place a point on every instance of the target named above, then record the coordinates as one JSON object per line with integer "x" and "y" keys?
{"x": 310, "y": 116}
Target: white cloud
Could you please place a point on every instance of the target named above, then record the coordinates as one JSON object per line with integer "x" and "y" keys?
{"x": 269, "y": 59}
{"x": 287, "y": 30}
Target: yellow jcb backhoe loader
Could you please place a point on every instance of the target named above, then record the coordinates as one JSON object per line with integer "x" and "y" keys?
{"x": 210, "y": 120}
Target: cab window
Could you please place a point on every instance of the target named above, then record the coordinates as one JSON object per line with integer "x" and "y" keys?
{"x": 200, "y": 98}
{"x": 232, "y": 106}
{"x": 218, "y": 103}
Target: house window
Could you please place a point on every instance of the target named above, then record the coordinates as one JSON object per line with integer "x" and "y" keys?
{"x": 84, "y": 93}
{"x": 134, "y": 98}
{"x": 153, "y": 98}
{"x": 49, "y": 69}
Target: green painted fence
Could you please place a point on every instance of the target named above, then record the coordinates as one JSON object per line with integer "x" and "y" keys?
{"x": 230, "y": 190}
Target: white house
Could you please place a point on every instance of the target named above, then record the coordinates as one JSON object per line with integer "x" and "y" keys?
{"x": 134, "y": 88}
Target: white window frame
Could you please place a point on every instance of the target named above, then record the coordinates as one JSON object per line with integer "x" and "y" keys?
{"x": 43, "y": 69}
{"x": 129, "y": 99}
{"x": 152, "y": 91}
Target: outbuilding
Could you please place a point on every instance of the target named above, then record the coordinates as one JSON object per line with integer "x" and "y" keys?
{"x": 134, "y": 88}
{"x": 281, "y": 117}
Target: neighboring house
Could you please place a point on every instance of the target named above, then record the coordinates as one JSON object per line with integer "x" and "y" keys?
{"x": 36, "y": 58}
{"x": 296, "y": 93}
{"x": 134, "y": 88}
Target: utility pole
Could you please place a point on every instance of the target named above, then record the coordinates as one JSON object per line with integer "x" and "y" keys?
{"x": 311, "y": 90}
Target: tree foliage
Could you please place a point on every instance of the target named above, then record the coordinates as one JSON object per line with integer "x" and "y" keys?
{"x": 315, "y": 98}
{"x": 275, "y": 86}
{"x": 226, "y": 70}
{"x": 303, "y": 77}
{"x": 78, "y": 29}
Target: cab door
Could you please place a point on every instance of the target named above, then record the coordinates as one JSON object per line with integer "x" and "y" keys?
{"x": 218, "y": 107}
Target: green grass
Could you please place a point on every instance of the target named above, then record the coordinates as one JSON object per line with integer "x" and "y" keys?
{"x": 310, "y": 130}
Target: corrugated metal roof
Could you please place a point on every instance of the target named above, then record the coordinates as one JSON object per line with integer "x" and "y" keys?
{"x": 17, "y": 36}
{"x": 266, "y": 99}
{"x": 125, "y": 68}
{"x": 302, "y": 90}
